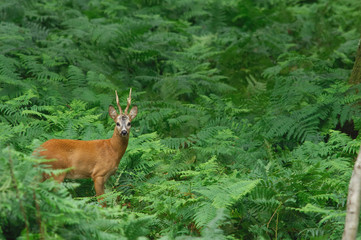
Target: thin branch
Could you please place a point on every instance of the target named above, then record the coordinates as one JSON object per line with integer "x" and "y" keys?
{"x": 274, "y": 214}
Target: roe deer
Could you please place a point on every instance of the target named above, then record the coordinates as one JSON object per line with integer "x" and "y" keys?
{"x": 96, "y": 159}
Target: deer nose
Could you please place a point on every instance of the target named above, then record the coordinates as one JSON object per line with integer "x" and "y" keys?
{"x": 124, "y": 132}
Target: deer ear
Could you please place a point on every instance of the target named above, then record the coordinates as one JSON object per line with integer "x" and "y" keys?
{"x": 112, "y": 112}
{"x": 133, "y": 112}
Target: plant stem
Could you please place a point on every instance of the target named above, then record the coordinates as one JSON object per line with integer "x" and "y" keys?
{"x": 22, "y": 209}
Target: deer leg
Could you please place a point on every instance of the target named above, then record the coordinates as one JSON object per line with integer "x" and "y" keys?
{"x": 99, "y": 188}
{"x": 45, "y": 176}
{"x": 59, "y": 178}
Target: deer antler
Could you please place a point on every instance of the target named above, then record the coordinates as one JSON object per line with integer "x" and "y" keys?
{"x": 120, "y": 109}
{"x": 129, "y": 100}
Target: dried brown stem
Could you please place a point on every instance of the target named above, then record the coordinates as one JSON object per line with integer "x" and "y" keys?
{"x": 274, "y": 214}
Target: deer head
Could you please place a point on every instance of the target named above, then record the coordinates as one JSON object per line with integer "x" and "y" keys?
{"x": 123, "y": 120}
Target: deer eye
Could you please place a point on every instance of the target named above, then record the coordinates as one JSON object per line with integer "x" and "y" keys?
{"x": 118, "y": 124}
{"x": 128, "y": 124}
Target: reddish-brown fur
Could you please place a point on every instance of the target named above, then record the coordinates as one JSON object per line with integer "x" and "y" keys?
{"x": 96, "y": 159}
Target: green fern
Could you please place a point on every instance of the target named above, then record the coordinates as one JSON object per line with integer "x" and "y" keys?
{"x": 244, "y": 111}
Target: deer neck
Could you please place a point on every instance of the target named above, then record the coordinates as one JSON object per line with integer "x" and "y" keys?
{"x": 119, "y": 144}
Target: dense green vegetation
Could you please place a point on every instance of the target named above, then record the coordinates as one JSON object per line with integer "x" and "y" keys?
{"x": 247, "y": 124}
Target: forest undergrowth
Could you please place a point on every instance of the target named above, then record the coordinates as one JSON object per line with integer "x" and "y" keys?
{"x": 247, "y": 125}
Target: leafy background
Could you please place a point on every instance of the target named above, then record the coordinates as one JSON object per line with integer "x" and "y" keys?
{"x": 247, "y": 126}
